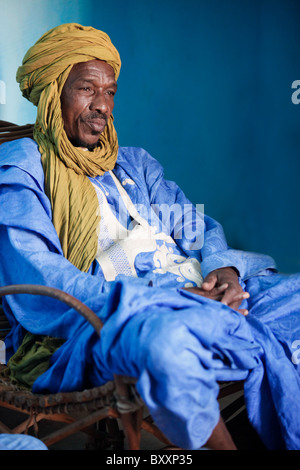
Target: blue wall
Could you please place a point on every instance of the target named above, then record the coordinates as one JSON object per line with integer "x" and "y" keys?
{"x": 205, "y": 87}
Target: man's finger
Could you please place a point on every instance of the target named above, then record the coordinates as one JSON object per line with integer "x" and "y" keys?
{"x": 240, "y": 296}
{"x": 209, "y": 282}
{"x": 243, "y": 311}
{"x": 231, "y": 297}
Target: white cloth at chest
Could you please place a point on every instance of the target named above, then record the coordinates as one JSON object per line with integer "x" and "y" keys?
{"x": 119, "y": 246}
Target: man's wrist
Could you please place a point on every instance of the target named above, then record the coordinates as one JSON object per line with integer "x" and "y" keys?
{"x": 230, "y": 269}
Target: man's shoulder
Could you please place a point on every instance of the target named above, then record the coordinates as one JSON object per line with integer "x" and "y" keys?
{"x": 23, "y": 154}
{"x": 131, "y": 152}
{"x": 136, "y": 156}
{"x": 18, "y": 150}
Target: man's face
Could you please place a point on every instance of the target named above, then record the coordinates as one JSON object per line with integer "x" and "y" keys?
{"x": 87, "y": 101}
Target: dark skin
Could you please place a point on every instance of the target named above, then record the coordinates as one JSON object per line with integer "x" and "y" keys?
{"x": 222, "y": 285}
{"x": 87, "y": 102}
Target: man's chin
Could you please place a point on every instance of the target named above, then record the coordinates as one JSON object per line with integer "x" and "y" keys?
{"x": 84, "y": 144}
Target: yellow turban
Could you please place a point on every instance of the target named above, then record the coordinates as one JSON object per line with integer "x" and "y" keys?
{"x": 45, "y": 68}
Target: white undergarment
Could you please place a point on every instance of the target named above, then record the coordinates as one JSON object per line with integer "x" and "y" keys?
{"x": 119, "y": 246}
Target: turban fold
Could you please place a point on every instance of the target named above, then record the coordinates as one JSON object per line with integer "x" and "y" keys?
{"x": 44, "y": 71}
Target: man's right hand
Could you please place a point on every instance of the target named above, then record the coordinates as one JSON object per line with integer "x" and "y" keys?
{"x": 217, "y": 293}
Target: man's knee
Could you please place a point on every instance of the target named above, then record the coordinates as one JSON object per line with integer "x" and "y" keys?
{"x": 165, "y": 343}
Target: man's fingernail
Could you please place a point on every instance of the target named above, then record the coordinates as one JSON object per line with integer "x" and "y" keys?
{"x": 244, "y": 312}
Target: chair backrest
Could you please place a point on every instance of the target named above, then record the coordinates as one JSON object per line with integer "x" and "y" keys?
{"x": 10, "y": 131}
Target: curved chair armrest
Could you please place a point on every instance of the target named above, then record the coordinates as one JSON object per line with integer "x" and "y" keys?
{"x": 58, "y": 294}
{"x": 10, "y": 131}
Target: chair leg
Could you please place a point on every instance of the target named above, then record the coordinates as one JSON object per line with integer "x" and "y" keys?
{"x": 131, "y": 420}
{"x": 115, "y": 435}
{"x": 132, "y": 428}
{"x": 149, "y": 426}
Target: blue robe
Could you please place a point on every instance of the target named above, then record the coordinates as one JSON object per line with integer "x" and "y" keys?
{"x": 177, "y": 344}
{"x": 20, "y": 442}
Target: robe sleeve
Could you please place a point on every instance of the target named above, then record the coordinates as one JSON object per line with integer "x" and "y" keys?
{"x": 31, "y": 253}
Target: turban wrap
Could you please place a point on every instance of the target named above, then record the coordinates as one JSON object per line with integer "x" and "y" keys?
{"x": 44, "y": 71}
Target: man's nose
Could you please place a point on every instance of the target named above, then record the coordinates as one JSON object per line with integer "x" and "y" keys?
{"x": 99, "y": 103}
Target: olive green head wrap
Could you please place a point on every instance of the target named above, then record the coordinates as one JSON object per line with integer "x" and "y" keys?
{"x": 44, "y": 71}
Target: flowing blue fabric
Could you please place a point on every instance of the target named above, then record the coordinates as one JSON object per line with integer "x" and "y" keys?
{"x": 177, "y": 344}
{"x": 20, "y": 442}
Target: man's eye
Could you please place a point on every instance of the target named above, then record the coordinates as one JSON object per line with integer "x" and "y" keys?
{"x": 86, "y": 88}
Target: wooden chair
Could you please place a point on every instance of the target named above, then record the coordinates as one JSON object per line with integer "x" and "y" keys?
{"x": 116, "y": 401}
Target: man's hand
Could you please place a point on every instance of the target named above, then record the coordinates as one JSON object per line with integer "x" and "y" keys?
{"x": 223, "y": 285}
{"x": 233, "y": 293}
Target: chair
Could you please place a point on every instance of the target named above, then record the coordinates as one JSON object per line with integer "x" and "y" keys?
{"x": 80, "y": 410}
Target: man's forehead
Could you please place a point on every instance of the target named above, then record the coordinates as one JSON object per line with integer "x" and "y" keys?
{"x": 94, "y": 68}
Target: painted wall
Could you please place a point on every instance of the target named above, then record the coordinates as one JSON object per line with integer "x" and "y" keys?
{"x": 206, "y": 88}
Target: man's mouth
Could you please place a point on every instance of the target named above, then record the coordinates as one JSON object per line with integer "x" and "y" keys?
{"x": 97, "y": 123}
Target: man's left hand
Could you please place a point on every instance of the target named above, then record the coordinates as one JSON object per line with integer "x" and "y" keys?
{"x": 233, "y": 294}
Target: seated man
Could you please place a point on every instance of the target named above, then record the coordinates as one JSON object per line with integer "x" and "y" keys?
{"x": 181, "y": 309}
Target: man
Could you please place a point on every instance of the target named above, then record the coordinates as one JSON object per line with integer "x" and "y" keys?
{"x": 182, "y": 310}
